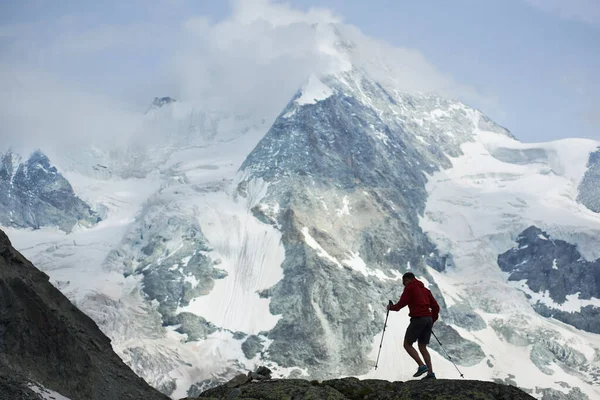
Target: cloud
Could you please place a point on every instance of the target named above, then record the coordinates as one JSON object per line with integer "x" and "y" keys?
{"x": 39, "y": 112}
{"x": 585, "y": 90}
{"x": 587, "y": 11}
{"x": 256, "y": 59}
{"x": 59, "y": 79}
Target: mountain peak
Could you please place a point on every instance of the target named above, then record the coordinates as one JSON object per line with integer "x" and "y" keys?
{"x": 313, "y": 90}
{"x": 159, "y": 102}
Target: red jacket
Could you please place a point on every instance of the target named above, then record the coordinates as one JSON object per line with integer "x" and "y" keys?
{"x": 419, "y": 300}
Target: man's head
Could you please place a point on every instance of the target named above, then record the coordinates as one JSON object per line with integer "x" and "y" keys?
{"x": 407, "y": 277}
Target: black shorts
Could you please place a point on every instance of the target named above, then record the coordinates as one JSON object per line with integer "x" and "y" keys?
{"x": 419, "y": 329}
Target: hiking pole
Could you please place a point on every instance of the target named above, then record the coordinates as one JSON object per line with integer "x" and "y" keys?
{"x": 450, "y": 358}
{"x": 384, "y": 325}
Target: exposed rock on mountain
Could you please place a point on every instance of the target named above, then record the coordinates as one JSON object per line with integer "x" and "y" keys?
{"x": 589, "y": 188}
{"x": 556, "y": 278}
{"x": 34, "y": 194}
{"x": 347, "y": 172}
{"x": 46, "y": 340}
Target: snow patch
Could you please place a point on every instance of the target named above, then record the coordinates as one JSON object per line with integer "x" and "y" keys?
{"x": 345, "y": 210}
{"x": 186, "y": 260}
{"x": 249, "y": 251}
{"x": 192, "y": 280}
{"x": 313, "y": 91}
{"x": 572, "y": 304}
{"x": 313, "y": 244}
{"x": 46, "y": 394}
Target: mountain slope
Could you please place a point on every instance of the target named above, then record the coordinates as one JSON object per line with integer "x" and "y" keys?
{"x": 347, "y": 178}
{"x": 478, "y": 210}
{"x": 45, "y": 340}
{"x": 34, "y": 194}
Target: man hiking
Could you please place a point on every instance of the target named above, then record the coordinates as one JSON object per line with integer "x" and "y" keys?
{"x": 423, "y": 311}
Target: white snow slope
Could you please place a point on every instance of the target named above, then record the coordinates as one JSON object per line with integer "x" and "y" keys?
{"x": 475, "y": 211}
{"x": 248, "y": 250}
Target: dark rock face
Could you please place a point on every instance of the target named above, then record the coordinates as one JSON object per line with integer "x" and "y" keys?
{"x": 47, "y": 339}
{"x": 355, "y": 389}
{"x": 34, "y": 194}
{"x": 252, "y": 346}
{"x": 161, "y": 101}
{"x": 589, "y": 188}
{"x": 557, "y": 267}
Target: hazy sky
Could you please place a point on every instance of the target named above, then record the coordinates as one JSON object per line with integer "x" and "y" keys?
{"x": 78, "y": 69}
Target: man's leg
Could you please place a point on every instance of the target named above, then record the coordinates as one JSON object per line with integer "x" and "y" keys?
{"x": 412, "y": 334}
{"x": 426, "y": 356}
{"x": 424, "y": 338}
{"x": 412, "y": 352}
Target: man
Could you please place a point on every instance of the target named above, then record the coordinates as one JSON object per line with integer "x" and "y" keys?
{"x": 423, "y": 311}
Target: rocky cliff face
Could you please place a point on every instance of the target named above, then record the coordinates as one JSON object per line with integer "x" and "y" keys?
{"x": 34, "y": 194}
{"x": 45, "y": 340}
{"x": 589, "y": 188}
{"x": 561, "y": 283}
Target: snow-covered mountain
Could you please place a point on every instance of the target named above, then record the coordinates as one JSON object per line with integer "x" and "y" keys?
{"x": 230, "y": 241}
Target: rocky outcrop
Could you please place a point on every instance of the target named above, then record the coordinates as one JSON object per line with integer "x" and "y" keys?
{"x": 554, "y": 269}
{"x": 34, "y": 194}
{"x": 45, "y": 340}
{"x": 589, "y": 188}
{"x": 355, "y": 389}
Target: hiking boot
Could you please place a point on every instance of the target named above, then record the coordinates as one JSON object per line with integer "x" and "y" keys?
{"x": 422, "y": 369}
{"x": 430, "y": 376}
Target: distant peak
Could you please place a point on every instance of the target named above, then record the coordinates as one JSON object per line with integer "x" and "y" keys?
{"x": 161, "y": 101}
{"x": 38, "y": 157}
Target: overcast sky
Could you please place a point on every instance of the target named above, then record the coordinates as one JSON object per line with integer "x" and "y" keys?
{"x": 79, "y": 69}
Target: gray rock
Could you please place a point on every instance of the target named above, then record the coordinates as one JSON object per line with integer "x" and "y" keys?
{"x": 195, "y": 327}
{"x": 252, "y": 346}
{"x": 463, "y": 316}
{"x": 509, "y": 380}
{"x": 589, "y": 188}
{"x": 33, "y": 194}
{"x": 264, "y": 371}
{"x": 553, "y": 394}
{"x": 462, "y": 351}
{"x": 588, "y": 319}
{"x": 239, "y": 380}
{"x": 557, "y": 267}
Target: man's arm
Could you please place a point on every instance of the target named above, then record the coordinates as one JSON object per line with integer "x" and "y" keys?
{"x": 403, "y": 302}
{"x": 435, "y": 307}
